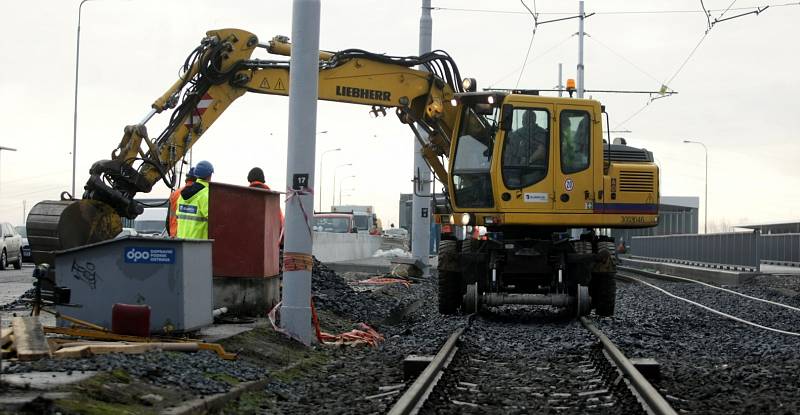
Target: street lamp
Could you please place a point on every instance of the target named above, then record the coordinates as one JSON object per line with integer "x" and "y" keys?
{"x": 333, "y": 195}
{"x": 321, "y": 159}
{"x": 705, "y": 221}
{"x": 341, "y": 185}
{"x": 7, "y": 149}
{"x": 75, "y": 107}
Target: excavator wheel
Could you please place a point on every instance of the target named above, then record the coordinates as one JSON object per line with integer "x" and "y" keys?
{"x": 449, "y": 277}
{"x": 603, "y": 289}
{"x": 56, "y": 225}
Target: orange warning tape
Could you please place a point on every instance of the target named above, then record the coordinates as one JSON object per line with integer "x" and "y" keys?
{"x": 385, "y": 280}
{"x": 364, "y": 335}
{"x": 295, "y": 261}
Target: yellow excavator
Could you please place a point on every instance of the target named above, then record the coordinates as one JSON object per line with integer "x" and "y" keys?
{"x": 528, "y": 168}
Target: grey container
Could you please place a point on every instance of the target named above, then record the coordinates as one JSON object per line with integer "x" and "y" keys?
{"x": 172, "y": 276}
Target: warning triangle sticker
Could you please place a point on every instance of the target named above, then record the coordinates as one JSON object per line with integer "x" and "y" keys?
{"x": 279, "y": 85}
{"x": 265, "y": 84}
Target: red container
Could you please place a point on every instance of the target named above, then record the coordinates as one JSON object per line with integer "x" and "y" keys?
{"x": 245, "y": 224}
{"x": 130, "y": 319}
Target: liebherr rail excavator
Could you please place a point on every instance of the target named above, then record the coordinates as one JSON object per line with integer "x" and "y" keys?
{"x": 526, "y": 167}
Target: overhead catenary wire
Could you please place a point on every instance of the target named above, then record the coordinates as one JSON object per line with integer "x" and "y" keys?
{"x": 533, "y": 35}
{"x": 628, "y": 61}
{"x": 611, "y": 12}
{"x": 535, "y": 58}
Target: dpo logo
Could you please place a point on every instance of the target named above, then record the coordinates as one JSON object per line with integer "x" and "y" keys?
{"x": 141, "y": 255}
{"x": 137, "y": 255}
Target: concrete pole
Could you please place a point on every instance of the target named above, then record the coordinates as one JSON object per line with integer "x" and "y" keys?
{"x": 420, "y": 206}
{"x": 560, "y": 79}
{"x": 580, "y": 49}
{"x": 303, "y": 93}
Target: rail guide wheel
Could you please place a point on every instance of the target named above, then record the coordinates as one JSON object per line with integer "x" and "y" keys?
{"x": 470, "y": 302}
{"x": 583, "y": 303}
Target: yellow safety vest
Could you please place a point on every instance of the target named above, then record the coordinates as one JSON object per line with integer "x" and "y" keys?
{"x": 192, "y": 214}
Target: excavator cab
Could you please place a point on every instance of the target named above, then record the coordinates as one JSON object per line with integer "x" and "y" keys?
{"x": 533, "y": 171}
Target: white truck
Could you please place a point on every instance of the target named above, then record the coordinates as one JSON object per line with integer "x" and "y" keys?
{"x": 364, "y": 216}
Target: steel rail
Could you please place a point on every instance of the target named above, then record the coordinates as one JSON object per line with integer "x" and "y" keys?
{"x": 654, "y": 402}
{"x": 411, "y": 401}
{"x": 668, "y": 277}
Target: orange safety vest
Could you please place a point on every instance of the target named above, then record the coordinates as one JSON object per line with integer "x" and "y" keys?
{"x": 259, "y": 184}
{"x": 173, "y": 204}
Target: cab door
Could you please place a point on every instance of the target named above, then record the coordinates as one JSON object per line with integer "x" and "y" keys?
{"x": 574, "y": 173}
{"x": 524, "y": 170}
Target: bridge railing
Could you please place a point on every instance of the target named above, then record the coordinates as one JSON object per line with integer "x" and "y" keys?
{"x": 781, "y": 249}
{"x": 730, "y": 250}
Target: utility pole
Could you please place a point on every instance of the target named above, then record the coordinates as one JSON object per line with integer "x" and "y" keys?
{"x": 560, "y": 86}
{"x": 581, "y": 18}
{"x": 303, "y": 94}
{"x": 421, "y": 201}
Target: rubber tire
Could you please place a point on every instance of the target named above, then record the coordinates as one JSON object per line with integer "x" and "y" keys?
{"x": 18, "y": 263}
{"x": 604, "y": 294}
{"x": 3, "y": 260}
{"x": 449, "y": 281}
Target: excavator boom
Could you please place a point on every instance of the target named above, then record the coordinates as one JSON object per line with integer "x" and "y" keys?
{"x": 213, "y": 76}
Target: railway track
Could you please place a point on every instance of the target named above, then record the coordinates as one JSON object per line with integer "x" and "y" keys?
{"x": 530, "y": 364}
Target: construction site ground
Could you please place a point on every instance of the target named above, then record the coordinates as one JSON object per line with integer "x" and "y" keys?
{"x": 268, "y": 361}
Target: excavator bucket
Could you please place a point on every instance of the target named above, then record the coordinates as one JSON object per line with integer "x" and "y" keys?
{"x": 55, "y": 225}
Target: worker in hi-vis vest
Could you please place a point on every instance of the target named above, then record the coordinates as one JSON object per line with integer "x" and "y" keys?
{"x": 192, "y": 211}
{"x": 173, "y": 203}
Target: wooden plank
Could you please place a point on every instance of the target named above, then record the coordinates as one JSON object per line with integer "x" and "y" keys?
{"x": 77, "y": 350}
{"x": 5, "y": 335}
{"x": 29, "y": 338}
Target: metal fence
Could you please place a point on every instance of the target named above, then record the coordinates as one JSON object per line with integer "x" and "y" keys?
{"x": 720, "y": 250}
{"x": 781, "y": 249}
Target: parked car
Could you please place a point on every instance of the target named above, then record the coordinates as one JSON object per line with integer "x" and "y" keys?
{"x": 26, "y": 247}
{"x": 396, "y": 233}
{"x": 12, "y": 247}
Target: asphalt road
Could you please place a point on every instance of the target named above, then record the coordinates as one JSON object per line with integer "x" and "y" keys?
{"x": 14, "y": 282}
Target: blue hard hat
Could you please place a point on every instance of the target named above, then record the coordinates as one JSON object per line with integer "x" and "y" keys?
{"x": 203, "y": 169}
{"x": 191, "y": 174}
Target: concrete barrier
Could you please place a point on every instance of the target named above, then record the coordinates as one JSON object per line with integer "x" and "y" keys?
{"x": 334, "y": 247}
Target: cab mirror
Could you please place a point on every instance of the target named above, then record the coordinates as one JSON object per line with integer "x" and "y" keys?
{"x": 506, "y": 116}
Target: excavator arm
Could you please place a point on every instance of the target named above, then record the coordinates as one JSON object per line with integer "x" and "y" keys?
{"x": 220, "y": 70}
{"x": 213, "y": 76}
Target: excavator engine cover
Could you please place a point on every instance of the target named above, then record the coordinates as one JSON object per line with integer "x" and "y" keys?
{"x": 55, "y": 225}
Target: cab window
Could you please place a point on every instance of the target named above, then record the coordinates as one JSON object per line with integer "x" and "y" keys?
{"x": 526, "y": 148}
{"x": 574, "y": 139}
{"x": 471, "y": 178}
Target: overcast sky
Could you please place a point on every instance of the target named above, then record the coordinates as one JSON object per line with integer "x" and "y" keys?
{"x": 737, "y": 93}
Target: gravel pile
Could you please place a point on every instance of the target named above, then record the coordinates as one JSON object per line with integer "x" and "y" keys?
{"x": 331, "y": 292}
{"x": 199, "y": 372}
{"x": 709, "y": 364}
{"x": 516, "y": 360}
{"x": 355, "y": 380}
